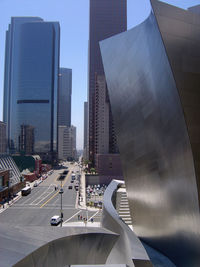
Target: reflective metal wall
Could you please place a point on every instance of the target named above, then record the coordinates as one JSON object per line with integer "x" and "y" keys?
{"x": 153, "y": 82}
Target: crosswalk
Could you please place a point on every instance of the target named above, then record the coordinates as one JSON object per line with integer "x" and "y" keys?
{"x": 88, "y": 215}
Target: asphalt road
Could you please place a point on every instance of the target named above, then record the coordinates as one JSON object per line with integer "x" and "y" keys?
{"x": 37, "y": 208}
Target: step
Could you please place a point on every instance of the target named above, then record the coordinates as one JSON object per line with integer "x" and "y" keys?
{"x": 124, "y": 213}
{"x": 128, "y": 222}
{"x": 127, "y": 219}
{"x": 125, "y": 216}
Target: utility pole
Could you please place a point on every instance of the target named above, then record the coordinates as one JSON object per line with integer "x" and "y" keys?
{"x": 61, "y": 211}
{"x": 86, "y": 213}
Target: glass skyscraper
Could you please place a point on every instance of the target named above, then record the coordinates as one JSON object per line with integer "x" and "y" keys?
{"x": 30, "y": 86}
{"x": 64, "y": 97}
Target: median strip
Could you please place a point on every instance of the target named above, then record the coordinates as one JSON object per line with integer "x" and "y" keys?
{"x": 49, "y": 199}
{"x": 69, "y": 173}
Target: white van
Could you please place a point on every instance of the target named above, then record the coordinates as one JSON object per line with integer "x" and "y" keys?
{"x": 55, "y": 220}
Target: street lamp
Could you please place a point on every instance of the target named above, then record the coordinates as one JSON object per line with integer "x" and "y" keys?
{"x": 86, "y": 213}
{"x": 61, "y": 211}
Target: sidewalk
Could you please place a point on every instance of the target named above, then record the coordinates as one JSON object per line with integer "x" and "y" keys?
{"x": 6, "y": 205}
{"x": 81, "y": 224}
{"x": 15, "y": 199}
{"x": 82, "y": 201}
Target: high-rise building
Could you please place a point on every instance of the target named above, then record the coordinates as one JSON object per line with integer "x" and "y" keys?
{"x": 2, "y": 138}
{"x": 195, "y": 9}
{"x": 67, "y": 143}
{"x": 30, "y": 86}
{"x": 107, "y": 18}
{"x": 64, "y": 97}
{"x": 73, "y": 141}
{"x": 101, "y": 121}
{"x": 26, "y": 139}
{"x": 65, "y": 151}
{"x": 85, "y": 142}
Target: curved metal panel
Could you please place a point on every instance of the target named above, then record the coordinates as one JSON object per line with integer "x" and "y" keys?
{"x": 153, "y": 140}
{"x": 54, "y": 246}
{"x": 128, "y": 247}
{"x": 87, "y": 248}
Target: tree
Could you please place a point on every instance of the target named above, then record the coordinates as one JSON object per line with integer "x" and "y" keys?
{"x": 93, "y": 170}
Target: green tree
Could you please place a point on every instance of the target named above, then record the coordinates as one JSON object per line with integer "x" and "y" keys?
{"x": 93, "y": 170}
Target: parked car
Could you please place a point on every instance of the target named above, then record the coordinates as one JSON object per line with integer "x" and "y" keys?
{"x": 35, "y": 184}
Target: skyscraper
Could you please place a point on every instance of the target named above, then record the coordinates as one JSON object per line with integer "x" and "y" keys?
{"x": 26, "y": 139}
{"x": 2, "y": 138}
{"x": 30, "y": 86}
{"x": 107, "y": 18}
{"x": 195, "y": 9}
{"x": 67, "y": 142}
{"x": 85, "y": 154}
{"x": 64, "y": 97}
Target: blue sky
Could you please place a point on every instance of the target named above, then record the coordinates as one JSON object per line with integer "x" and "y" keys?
{"x": 73, "y": 16}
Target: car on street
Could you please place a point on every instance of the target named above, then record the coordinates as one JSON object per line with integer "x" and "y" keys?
{"x": 35, "y": 184}
{"x": 69, "y": 187}
{"x": 26, "y": 190}
{"x": 55, "y": 220}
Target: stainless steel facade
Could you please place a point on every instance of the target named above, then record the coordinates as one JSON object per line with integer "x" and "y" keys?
{"x": 153, "y": 78}
{"x": 23, "y": 246}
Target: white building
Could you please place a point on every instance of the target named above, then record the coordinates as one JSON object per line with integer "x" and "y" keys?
{"x": 67, "y": 143}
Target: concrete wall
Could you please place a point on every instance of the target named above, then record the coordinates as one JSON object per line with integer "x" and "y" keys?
{"x": 97, "y": 179}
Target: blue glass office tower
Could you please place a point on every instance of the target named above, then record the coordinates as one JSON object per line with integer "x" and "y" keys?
{"x": 64, "y": 97}
{"x": 31, "y": 84}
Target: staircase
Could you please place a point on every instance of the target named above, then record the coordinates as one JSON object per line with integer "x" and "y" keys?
{"x": 122, "y": 206}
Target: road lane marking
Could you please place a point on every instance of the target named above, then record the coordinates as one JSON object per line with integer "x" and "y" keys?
{"x": 66, "y": 179}
{"x": 93, "y": 215}
{"x": 49, "y": 199}
{"x": 39, "y": 197}
{"x": 31, "y": 196}
{"x": 72, "y": 216}
{"x": 44, "y": 197}
{"x": 34, "y": 207}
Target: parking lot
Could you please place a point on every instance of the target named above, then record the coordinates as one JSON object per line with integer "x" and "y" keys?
{"x": 94, "y": 195}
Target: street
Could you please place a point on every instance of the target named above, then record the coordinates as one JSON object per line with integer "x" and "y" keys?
{"x": 37, "y": 208}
